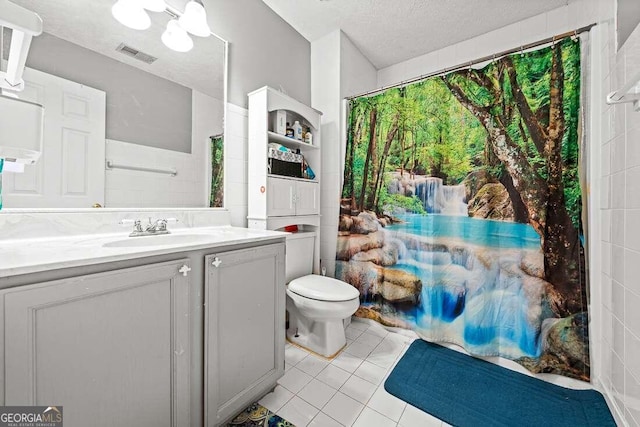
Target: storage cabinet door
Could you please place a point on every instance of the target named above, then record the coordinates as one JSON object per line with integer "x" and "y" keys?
{"x": 307, "y": 198}
{"x": 281, "y": 197}
{"x": 244, "y": 328}
{"x": 112, "y": 348}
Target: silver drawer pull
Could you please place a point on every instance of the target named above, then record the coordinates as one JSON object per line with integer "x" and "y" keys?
{"x": 216, "y": 262}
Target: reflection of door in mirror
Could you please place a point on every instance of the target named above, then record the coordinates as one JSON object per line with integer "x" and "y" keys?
{"x": 160, "y": 109}
{"x": 70, "y": 173}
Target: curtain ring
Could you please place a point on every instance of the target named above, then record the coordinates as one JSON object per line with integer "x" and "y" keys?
{"x": 553, "y": 41}
{"x": 521, "y": 51}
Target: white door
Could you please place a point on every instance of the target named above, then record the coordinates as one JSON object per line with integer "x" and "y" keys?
{"x": 281, "y": 200}
{"x": 70, "y": 172}
{"x": 307, "y": 196}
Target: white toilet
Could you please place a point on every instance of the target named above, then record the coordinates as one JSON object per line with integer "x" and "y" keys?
{"x": 317, "y": 305}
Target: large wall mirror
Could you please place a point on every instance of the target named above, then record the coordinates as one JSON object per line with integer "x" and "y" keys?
{"x": 129, "y": 122}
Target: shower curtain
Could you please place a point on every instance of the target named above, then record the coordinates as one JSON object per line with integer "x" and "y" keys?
{"x": 461, "y": 210}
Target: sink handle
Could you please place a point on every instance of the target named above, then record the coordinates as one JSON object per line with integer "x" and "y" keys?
{"x": 137, "y": 224}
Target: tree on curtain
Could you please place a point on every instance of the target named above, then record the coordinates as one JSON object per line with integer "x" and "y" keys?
{"x": 461, "y": 210}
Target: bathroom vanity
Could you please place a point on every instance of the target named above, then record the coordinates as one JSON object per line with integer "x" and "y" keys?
{"x": 183, "y": 331}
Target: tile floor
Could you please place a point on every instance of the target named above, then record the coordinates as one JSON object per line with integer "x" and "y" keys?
{"x": 347, "y": 391}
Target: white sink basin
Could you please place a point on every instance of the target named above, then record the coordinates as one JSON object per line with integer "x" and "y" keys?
{"x": 161, "y": 240}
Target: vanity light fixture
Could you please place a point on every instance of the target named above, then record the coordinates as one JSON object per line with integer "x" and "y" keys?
{"x": 133, "y": 14}
{"x": 194, "y": 19}
{"x": 176, "y": 38}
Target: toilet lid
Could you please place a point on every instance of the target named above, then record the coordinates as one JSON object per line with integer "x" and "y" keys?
{"x": 323, "y": 288}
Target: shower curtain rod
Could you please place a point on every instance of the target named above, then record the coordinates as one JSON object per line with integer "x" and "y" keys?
{"x": 477, "y": 61}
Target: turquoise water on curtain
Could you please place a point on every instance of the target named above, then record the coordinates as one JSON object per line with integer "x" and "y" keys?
{"x": 481, "y": 232}
{"x": 479, "y": 303}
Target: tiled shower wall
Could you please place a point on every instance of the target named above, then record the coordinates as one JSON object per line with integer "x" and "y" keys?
{"x": 237, "y": 128}
{"x": 620, "y": 203}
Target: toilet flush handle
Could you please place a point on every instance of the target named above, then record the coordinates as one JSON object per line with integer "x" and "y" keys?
{"x": 216, "y": 262}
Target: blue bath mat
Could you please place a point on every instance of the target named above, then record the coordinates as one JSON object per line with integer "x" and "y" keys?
{"x": 465, "y": 391}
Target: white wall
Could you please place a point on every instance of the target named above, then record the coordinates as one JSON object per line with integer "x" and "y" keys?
{"x": 189, "y": 188}
{"x": 620, "y": 288}
{"x": 337, "y": 68}
{"x": 264, "y": 49}
{"x": 566, "y": 18}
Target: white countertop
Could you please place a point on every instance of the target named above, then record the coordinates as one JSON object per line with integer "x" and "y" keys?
{"x": 23, "y": 256}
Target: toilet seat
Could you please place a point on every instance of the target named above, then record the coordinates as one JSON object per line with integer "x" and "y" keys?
{"x": 323, "y": 288}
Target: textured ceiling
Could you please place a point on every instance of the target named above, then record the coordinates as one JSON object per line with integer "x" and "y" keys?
{"x": 89, "y": 23}
{"x": 391, "y": 31}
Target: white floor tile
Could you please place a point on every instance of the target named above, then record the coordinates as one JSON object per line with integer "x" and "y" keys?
{"x": 370, "y": 372}
{"x": 287, "y": 365}
{"x": 317, "y": 393}
{"x": 370, "y": 418}
{"x": 323, "y": 420}
{"x": 347, "y": 362}
{"x": 333, "y": 376}
{"x": 352, "y": 333}
{"x": 343, "y": 409}
{"x": 294, "y": 379}
{"x": 312, "y": 365}
{"x": 369, "y": 339}
{"x": 387, "y": 404}
{"x": 359, "y": 349}
{"x": 382, "y": 358}
{"x": 413, "y": 416}
{"x": 359, "y": 389}
{"x": 298, "y": 412}
{"x": 358, "y": 324}
{"x": 293, "y": 355}
{"x": 275, "y": 400}
{"x": 377, "y": 329}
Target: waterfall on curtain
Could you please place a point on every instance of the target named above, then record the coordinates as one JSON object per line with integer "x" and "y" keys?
{"x": 461, "y": 210}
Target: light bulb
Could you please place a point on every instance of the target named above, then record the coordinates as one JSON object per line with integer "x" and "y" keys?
{"x": 154, "y": 5}
{"x": 176, "y": 38}
{"x": 130, "y": 13}
{"x": 194, "y": 20}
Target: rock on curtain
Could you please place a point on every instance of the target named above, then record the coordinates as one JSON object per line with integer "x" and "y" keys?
{"x": 461, "y": 210}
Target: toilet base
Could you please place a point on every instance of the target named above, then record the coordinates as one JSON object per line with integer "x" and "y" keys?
{"x": 325, "y": 338}
{"x": 333, "y": 356}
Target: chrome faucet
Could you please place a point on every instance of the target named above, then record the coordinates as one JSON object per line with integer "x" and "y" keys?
{"x": 153, "y": 228}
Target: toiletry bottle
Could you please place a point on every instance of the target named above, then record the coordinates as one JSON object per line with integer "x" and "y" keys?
{"x": 308, "y": 138}
{"x": 297, "y": 130}
{"x": 289, "y": 133}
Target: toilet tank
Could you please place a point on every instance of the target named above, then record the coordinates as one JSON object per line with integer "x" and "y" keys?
{"x": 300, "y": 254}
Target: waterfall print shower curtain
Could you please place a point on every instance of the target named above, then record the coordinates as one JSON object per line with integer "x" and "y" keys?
{"x": 461, "y": 210}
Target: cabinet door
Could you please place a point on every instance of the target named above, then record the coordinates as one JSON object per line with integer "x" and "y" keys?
{"x": 307, "y": 198}
{"x": 112, "y": 348}
{"x": 244, "y": 328}
{"x": 280, "y": 196}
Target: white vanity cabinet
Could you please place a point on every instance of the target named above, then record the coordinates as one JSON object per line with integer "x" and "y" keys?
{"x": 244, "y": 328}
{"x": 292, "y": 197}
{"x": 112, "y": 348}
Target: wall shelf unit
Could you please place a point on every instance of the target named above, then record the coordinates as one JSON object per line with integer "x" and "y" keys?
{"x": 275, "y": 201}
{"x": 290, "y": 142}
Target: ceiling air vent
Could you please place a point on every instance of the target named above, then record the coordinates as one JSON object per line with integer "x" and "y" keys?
{"x": 135, "y": 53}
